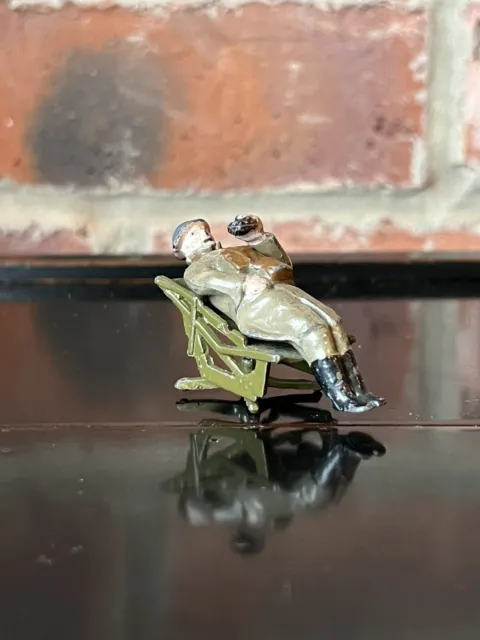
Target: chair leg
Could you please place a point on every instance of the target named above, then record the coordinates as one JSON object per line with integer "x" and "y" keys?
{"x": 194, "y": 384}
{"x": 253, "y": 407}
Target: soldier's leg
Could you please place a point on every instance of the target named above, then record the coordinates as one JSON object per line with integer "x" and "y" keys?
{"x": 329, "y": 315}
{"x": 315, "y": 341}
{"x": 342, "y": 343}
{"x": 357, "y": 382}
{"x": 277, "y": 315}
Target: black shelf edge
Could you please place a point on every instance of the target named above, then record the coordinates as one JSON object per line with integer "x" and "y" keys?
{"x": 324, "y": 279}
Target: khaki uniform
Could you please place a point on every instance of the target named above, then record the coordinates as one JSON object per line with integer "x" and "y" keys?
{"x": 282, "y": 313}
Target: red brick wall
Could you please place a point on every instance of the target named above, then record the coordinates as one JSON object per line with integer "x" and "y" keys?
{"x": 346, "y": 126}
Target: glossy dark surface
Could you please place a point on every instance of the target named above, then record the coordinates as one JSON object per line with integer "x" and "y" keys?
{"x": 117, "y": 361}
{"x": 92, "y": 546}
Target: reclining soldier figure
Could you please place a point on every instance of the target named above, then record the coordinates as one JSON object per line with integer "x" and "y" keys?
{"x": 253, "y": 286}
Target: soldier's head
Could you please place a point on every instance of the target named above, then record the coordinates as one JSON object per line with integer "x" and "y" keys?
{"x": 192, "y": 237}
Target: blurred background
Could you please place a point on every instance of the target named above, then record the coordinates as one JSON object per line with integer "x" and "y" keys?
{"x": 347, "y": 125}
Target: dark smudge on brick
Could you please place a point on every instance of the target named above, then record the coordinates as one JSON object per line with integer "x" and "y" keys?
{"x": 102, "y": 122}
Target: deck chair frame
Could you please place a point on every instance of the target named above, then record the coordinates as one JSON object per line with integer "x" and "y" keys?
{"x": 245, "y": 367}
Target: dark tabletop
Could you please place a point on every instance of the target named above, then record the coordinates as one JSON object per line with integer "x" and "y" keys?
{"x": 92, "y": 547}
{"x": 94, "y": 544}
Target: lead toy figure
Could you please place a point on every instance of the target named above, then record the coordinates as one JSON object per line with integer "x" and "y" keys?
{"x": 241, "y": 303}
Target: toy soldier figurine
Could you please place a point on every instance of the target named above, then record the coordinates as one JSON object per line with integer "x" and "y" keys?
{"x": 254, "y": 287}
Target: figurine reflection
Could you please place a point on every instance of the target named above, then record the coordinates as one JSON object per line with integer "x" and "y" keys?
{"x": 253, "y": 286}
{"x": 256, "y": 479}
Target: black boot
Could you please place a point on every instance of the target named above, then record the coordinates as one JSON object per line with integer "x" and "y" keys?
{"x": 356, "y": 381}
{"x": 330, "y": 376}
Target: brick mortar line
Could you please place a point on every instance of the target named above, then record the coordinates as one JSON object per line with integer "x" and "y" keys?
{"x": 449, "y": 47}
{"x": 145, "y": 5}
{"x": 127, "y": 222}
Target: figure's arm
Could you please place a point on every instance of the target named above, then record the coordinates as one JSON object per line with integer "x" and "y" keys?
{"x": 268, "y": 244}
{"x": 208, "y": 281}
{"x": 250, "y": 230}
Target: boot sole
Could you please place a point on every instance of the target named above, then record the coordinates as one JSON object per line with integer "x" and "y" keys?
{"x": 360, "y": 409}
